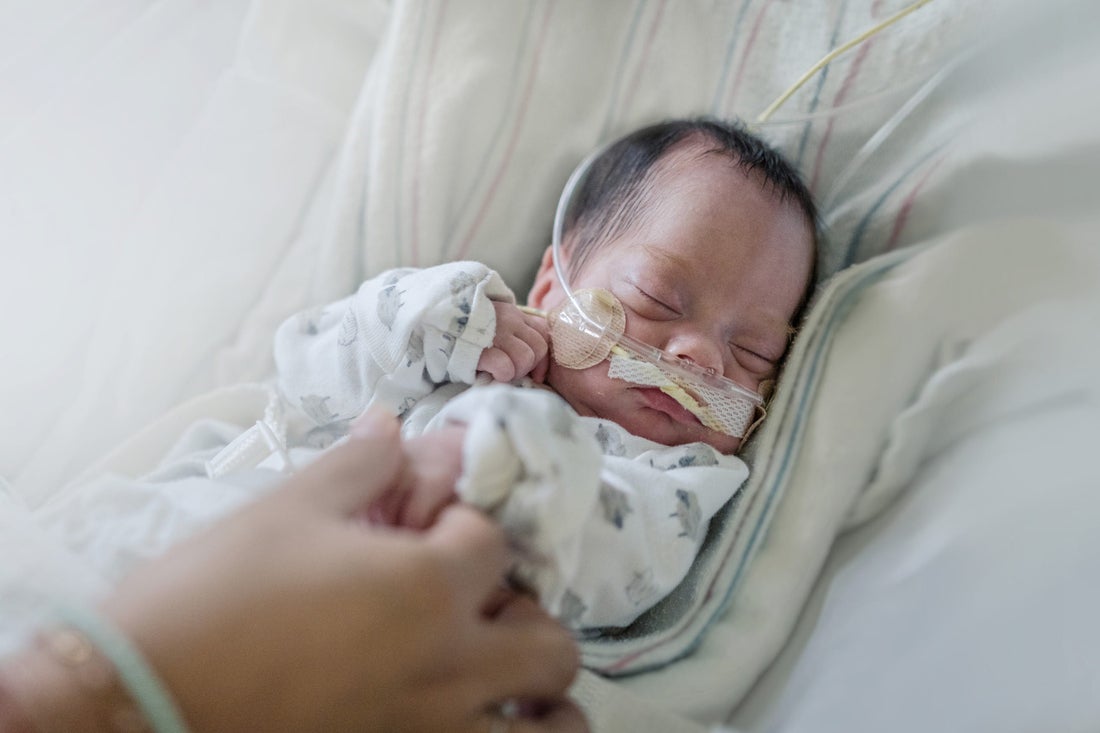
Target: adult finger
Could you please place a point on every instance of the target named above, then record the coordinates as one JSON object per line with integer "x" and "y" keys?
{"x": 517, "y": 609}
{"x": 356, "y": 472}
{"x": 475, "y": 549}
{"x": 526, "y": 653}
{"x": 562, "y": 716}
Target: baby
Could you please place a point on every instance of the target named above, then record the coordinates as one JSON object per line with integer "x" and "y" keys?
{"x": 707, "y": 238}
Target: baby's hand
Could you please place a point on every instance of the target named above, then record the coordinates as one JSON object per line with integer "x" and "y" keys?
{"x": 520, "y": 346}
{"x": 433, "y": 463}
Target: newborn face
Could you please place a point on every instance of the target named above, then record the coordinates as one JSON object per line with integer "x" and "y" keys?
{"x": 713, "y": 272}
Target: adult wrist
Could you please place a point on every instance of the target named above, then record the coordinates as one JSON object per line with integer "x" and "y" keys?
{"x": 59, "y": 683}
{"x": 13, "y": 717}
{"x": 85, "y": 676}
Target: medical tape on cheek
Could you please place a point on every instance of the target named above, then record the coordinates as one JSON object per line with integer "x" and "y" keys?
{"x": 591, "y": 328}
{"x": 715, "y": 408}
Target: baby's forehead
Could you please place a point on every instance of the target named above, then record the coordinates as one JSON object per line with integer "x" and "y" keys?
{"x": 700, "y": 201}
{"x": 700, "y": 164}
{"x": 696, "y": 188}
{"x": 696, "y": 155}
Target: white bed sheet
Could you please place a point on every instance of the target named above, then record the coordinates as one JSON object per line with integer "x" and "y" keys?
{"x": 969, "y": 605}
{"x": 177, "y": 176}
{"x": 159, "y": 160}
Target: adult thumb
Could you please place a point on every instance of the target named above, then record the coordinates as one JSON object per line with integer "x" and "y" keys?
{"x": 355, "y": 472}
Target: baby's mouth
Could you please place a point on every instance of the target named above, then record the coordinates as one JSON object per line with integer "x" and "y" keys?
{"x": 657, "y": 400}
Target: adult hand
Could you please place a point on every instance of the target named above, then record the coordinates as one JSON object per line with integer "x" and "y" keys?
{"x": 292, "y": 616}
{"x": 427, "y": 484}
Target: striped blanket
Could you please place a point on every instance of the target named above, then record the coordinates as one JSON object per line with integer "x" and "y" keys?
{"x": 474, "y": 113}
{"x": 844, "y": 438}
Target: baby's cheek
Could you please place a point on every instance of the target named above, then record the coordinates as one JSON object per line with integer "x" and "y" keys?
{"x": 748, "y": 378}
{"x": 576, "y": 387}
{"x": 725, "y": 444}
{"x": 648, "y": 332}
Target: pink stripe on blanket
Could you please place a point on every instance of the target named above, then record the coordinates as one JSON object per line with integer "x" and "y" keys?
{"x": 731, "y": 45}
{"x": 819, "y": 87}
{"x": 841, "y": 95}
{"x": 464, "y": 247}
{"x": 613, "y": 100}
{"x": 907, "y": 203}
{"x": 632, "y": 88}
{"x": 743, "y": 63}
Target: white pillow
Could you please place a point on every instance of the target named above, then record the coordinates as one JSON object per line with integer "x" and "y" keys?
{"x": 477, "y": 112}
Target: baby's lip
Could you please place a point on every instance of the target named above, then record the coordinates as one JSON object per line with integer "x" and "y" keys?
{"x": 658, "y": 400}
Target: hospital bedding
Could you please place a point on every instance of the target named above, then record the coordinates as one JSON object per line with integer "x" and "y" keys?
{"x": 453, "y": 141}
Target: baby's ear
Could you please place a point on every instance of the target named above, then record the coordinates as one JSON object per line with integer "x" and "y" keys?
{"x": 546, "y": 280}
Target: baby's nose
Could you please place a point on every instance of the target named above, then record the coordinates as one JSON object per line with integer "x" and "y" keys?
{"x": 698, "y": 349}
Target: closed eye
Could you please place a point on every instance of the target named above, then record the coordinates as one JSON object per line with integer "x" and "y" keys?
{"x": 752, "y": 360}
{"x": 650, "y": 307}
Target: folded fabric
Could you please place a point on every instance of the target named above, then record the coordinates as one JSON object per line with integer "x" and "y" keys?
{"x": 844, "y": 438}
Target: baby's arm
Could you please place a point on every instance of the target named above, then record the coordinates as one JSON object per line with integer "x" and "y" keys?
{"x": 608, "y": 524}
{"x": 400, "y": 336}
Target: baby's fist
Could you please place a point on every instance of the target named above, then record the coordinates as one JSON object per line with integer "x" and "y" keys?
{"x": 520, "y": 345}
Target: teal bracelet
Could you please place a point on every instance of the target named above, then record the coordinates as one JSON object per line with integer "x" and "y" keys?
{"x": 139, "y": 679}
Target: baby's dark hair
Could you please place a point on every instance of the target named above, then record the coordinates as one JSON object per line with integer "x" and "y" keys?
{"x": 611, "y": 196}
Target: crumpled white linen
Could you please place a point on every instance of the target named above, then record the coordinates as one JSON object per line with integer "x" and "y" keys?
{"x": 159, "y": 164}
{"x": 845, "y": 442}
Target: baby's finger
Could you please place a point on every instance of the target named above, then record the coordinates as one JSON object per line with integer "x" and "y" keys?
{"x": 521, "y": 354}
{"x": 537, "y": 340}
{"x": 497, "y": 364}
{"x": 424, "y": 505}
{"x": 539, "y": 323}
{"x": 538, "y": 374}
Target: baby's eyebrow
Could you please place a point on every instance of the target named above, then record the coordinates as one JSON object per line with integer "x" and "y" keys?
{"x": 672, "y": 259}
